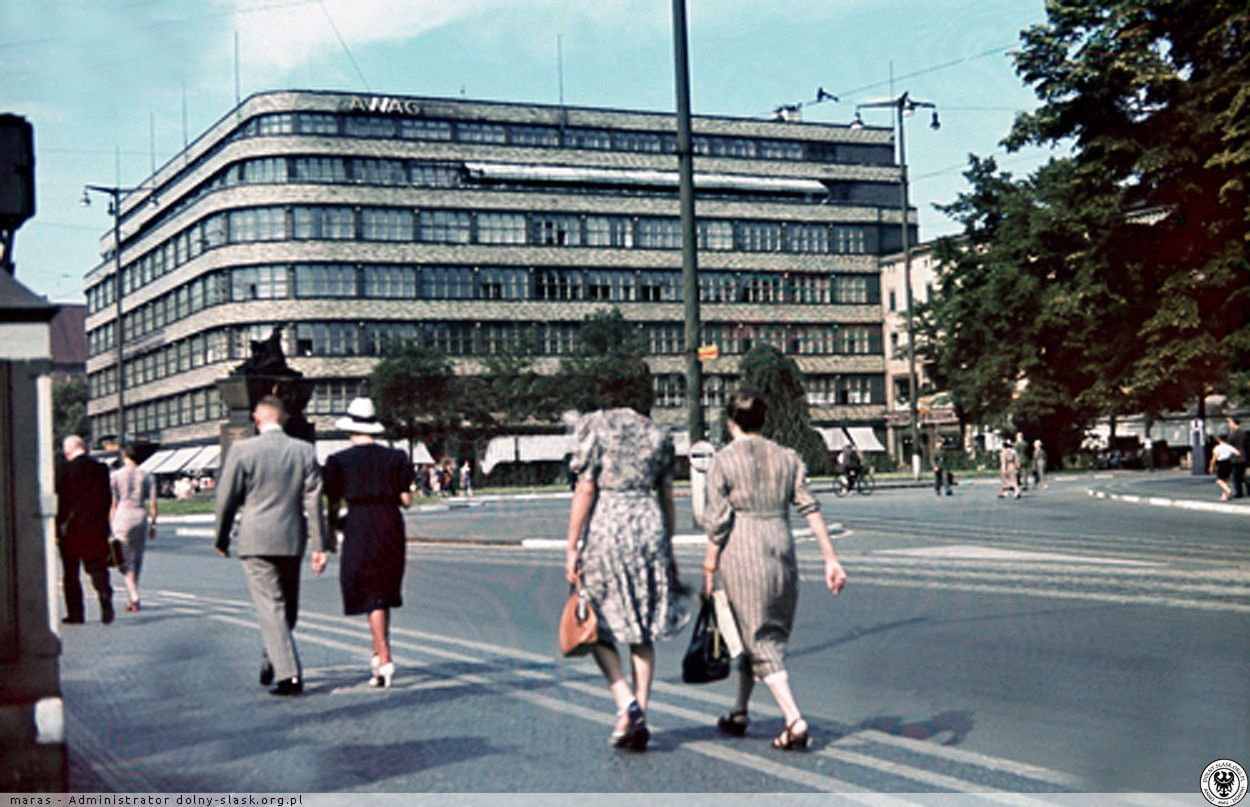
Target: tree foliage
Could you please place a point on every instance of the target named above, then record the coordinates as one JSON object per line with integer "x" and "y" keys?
{"x": 788, "y": 421}
{"x": 608, "y": 357}
{"x": 419, "y": 397}
{"x": 69, "y": 409}
{"x": 1116, "y": 279}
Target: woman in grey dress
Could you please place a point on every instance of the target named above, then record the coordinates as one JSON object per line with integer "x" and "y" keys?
{"x": 623, "y": 506}
{"x": 134, "y": 500}
{"x": 750, "y": 486}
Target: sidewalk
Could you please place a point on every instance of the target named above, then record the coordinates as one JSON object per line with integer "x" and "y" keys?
{"x": 1166, "y": 489}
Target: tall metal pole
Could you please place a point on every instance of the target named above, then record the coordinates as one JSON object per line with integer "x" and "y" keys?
{"x": 689, "y": 244}
{"x": 913, "y": 403}
{"x": 115, "y": 207}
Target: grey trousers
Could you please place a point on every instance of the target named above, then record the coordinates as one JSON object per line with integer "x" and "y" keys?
{"x": 274, "y": 582}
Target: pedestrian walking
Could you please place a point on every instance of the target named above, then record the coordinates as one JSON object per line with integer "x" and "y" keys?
{"x": 943, "y": 479}
{"x": 275, "y": 479}
{"x": 1022, "y": 450}
{"x": 1039, "y": 466}
{"x": 623, "y": 507}
{"x": 132, "y": 518}
{"x": 1148, "y": 454}
{"x": 466, "y": 479}
{"x": 83, "y": 499}
{"x": 1237, "y": 439}
{"x": 1221, "y": 464}
{"x": 375, "y": 481}
{"x": 751, "y": 484}
{"x": 1008, "y": 470}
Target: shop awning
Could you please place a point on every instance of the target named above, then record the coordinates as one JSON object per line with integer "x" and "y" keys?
{"x": 206, "y": 459}
{"x": 157, "y": 459}
{"x": 865, "y": 438}
{"x": 176, "y": 460}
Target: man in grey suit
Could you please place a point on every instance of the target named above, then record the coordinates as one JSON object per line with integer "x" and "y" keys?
{"x": 276, "y": 480}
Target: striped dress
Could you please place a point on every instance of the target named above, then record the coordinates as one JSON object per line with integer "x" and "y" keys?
{"x": 750, "y": 486}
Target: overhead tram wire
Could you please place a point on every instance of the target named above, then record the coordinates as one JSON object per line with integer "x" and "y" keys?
{"x": 343, "y": 42}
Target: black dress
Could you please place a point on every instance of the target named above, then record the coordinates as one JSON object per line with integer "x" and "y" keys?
{"x": 370, "y": 477}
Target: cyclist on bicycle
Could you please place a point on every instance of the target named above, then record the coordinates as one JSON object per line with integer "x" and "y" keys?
{"x": 850, "y": 463}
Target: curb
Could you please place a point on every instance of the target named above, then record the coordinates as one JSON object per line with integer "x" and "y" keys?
{"x": 1164, "y": 501}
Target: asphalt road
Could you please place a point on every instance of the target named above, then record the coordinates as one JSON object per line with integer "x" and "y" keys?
{"x": 1053, "y": 644}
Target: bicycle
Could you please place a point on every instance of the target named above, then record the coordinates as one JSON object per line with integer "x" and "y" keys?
{"x": 864, "y": 483}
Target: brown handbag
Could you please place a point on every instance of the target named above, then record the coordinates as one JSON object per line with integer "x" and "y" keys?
{"x": 579, "y": 627}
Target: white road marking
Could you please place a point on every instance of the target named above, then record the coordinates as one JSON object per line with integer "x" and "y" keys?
{"x": 343, "y": 626}
{"x": 973, "y": 552}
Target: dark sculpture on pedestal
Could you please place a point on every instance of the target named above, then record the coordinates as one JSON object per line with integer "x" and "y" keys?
{"x": 265, "y": 373}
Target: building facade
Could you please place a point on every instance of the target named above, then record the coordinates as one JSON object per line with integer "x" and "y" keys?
{"x": 936, "y": 415}
{"x": 352, "y": 220}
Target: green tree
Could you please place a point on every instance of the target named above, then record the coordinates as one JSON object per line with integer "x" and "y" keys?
{"x": 609, "y": 353}
{"x": 1155, "y": 95}
{"x": 419, "y": 397}
{"x": 69, "y": 409}
{"x": 788, "y": 421}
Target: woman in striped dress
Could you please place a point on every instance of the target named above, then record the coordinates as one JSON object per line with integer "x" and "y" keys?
{"x": 751, "y": 484}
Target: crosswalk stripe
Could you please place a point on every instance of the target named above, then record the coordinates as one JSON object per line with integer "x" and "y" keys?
{"x": 343, "y": 626}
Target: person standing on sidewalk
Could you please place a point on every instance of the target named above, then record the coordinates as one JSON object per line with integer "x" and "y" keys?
{"x": 1039, "y": 466}
{"x": 1008, "y": 469}
{"x": 83, "y": 499}
{"x": 275, "y": 479}
{"x": 1221, "y": 464}
{"x": 1022, "y": 461}
{"x": 1237, "y": 439}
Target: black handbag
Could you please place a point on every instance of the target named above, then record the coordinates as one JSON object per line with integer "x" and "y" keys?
{"x": 707, "y": 658}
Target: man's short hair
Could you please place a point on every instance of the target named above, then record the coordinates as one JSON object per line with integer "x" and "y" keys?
{"x": 275, "y": 403}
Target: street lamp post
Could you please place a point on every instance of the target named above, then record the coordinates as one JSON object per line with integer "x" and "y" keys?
{"x": 115, "y": 194}
{"x": 904, "y": 105}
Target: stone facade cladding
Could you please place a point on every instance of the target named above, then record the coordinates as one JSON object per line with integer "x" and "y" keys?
{"x": 143, "y": 229}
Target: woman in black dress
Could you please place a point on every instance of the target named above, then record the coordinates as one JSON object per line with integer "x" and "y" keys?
{"x": 374, "y": 481}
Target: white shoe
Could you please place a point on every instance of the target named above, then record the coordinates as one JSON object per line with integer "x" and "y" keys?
{"x": 375, "y": 664}
{"x": 385, "y": 673}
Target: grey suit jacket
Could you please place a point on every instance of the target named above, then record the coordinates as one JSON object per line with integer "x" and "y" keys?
{"x": 276, "y": 480}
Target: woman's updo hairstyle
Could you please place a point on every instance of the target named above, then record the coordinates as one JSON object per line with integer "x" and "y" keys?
{"x": 747, "y": 409}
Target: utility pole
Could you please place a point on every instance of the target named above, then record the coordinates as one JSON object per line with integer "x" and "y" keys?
{"x": 689, "y": 243}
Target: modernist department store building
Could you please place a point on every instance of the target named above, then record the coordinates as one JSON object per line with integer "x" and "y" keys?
{"x": 351, "y": 220}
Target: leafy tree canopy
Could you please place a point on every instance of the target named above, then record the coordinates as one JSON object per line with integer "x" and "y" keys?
{"x": 788, "y": 421}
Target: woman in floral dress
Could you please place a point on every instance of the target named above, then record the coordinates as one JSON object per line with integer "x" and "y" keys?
{"x": 623, "y": 508}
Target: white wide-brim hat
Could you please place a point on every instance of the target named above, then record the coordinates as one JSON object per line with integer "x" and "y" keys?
{"x": 361, "y": 418}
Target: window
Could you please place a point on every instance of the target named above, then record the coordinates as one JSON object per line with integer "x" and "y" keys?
{"x": 327, "y": 339}
{"x": 807, "y": 238}
{"x": 716, "y": 235}
{"x": 319, "y": 169}
{"x": 259, "y": 283}
{"x": 557, "y": 284}
{"x": 480, "y": 133}
{"x": 277, "y": 124}
{"x": 659, "y": 287}
{"x": 656, "y": 233}
{"x": 368, "y": 126}
{"x": 435, "y": 175}
{"x": 859, "y": 339}
{"x": 325, "y": 280}
{"x": 757, "y": 287}
{"x": 452, "y": 338}
{"x": 857, "y": 290}
{"x": 446, "y": 283}
{"x": 391, "y": 282}
{"x": 822, "y": 390}
{"x": 312, "y": 123}
{"x": 860, "y": 389}
{"x": 379, "y": 172}
{"x": 670, "y": 390}
{"x": 732, "y": 147}
{"x": 331, "y": 223}
{"x": 556, "y": 230}
{"x": 893, "y": 300}
{"x": 714, "y": 388}
{"x": 216, "y": 346}
{"x": 257, "y": 224}
{"x": 609, "y": 231}
{"x": 214, "y": 231}
{"x": 497, "y": 283}
{"x": 380, "y": 336}
{"x": 500, "y": 228}
{"x": 556, "y": 338}
{"x": 810, "y": 288}
{"x": 266, "y": 170}
{"x": 637, "y": 141}
{"x": 759, "y": 236}
{"x": 385, "y": 224}
{"x": 717, "y": 287}
{"x": 779, "y": 149}
{"x": 332, "y": 397}
{"x": 416, "y": 129}
{"x": 444, "y": 226}
{"x": 849, "y": 240}
{"x": 587, "y": 139}
{"x": 610, "y": 285}
{"x": 533, "y": 136}
{"x": 666, "y": 338}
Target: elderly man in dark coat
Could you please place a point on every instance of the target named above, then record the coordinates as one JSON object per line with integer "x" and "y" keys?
{"x": 83, "y": 499}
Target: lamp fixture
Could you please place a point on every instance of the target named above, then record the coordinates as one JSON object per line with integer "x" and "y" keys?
{"x": 858, "y": 123}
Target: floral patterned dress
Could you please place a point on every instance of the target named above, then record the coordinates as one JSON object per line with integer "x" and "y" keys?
{"x": 627, "y": 559}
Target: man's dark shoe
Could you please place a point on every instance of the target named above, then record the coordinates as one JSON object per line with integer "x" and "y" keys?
{"x": 266, "y": 673}
{"x": 288, "y": 686}
{"x": 72, "y": 620}
{"x": 106, "y": 612}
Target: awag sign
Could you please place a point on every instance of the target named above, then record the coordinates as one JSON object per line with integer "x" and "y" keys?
{"x": 383, "y": 104}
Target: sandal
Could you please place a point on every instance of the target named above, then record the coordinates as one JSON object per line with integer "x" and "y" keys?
{"x": 636, "y": 734}
{"x": 791, "y": 740}
{"x": 735, "y": 723}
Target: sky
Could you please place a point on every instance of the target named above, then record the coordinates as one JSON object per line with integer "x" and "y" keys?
{"x": 103, "y": 81}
